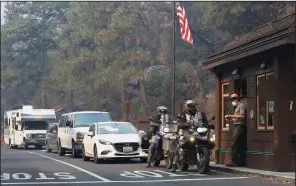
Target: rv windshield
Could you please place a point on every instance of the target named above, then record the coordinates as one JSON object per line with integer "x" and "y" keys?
{"x": 87, "y": 119}
{"x": 34, "y": 125}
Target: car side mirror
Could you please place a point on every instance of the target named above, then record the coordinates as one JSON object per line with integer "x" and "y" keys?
{"x": 91, "y": 134}
{"x": 69, "y": 124}
{"x": 16, "y": 127}
{"x": 141, "y": 133}
{"x": 213, "y": 118}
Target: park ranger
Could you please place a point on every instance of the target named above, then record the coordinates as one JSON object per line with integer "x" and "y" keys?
{"x": 238, "y": 148}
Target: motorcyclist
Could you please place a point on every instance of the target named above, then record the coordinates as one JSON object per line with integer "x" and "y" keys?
{"x": 153, "y": 129}
{"x": 184, "y": 122}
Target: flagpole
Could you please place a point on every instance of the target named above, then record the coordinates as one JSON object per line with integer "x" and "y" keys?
{"x": 174, "y": 64}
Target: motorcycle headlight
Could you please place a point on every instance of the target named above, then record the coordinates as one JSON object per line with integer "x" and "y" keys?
{"x": 166, "y": 130}
{"x": 29, "y": 135}
{"x": 212, "y": 139}
{"x": 201, "y": 130}
{"x": 103, "y": 142}
{"x": 173, "y": 137}
{"x": 192, "y": 139}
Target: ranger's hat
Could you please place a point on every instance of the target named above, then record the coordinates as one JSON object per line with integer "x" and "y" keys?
{"x": 234, "y": 95}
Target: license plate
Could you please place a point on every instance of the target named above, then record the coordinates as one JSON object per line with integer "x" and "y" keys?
{"x": 127, "y": 149}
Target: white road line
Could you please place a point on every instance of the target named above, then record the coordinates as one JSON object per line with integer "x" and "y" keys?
{"x": 139, "y": 181}
{"x": 78, "y": 168}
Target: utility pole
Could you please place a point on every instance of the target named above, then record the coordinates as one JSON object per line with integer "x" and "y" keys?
{"x": 174, "y": 63}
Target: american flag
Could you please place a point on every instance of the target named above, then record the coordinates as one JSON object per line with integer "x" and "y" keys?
{"x": 185, "y": 30}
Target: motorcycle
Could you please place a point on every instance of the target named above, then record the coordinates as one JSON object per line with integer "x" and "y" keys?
{"x": 165, "y": 144}
{"x": 196, "y": 146}
{"x": 169, "y": 143}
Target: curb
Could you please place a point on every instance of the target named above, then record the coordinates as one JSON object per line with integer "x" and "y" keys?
{"x": 253, "y": 174}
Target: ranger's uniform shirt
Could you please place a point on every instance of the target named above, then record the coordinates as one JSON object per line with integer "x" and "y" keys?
{"x": 240, "y": 110}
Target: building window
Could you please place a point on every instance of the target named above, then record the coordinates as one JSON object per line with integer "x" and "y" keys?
{"x": 265, "y": 109}
{"x": 241, "y": 87}
{"x": 226, "y": 104}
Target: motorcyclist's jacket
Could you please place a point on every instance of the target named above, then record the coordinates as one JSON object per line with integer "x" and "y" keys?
{"x": 187, "y": 116}
{"x": 153, "y": 129}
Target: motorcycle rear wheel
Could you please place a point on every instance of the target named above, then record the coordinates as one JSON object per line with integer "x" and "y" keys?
{"x": 203, "y": 165}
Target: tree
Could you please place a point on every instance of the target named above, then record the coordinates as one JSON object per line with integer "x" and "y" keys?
{"x": 28, "y": 35}
{"x": 237, "y": 18}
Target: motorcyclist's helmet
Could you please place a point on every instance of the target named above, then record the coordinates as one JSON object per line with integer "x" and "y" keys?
{"x": 161, "y": 110}
{"x": 190, "y": 105}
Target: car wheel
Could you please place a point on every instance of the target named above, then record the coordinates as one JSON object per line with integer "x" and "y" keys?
{"x": 61, "y": 150}
{"x": 74, "y": 151}
{"x": 9, "y": 144}
{"x": 96, "y": 159}
{"x": 84, "y": 157}
{"x": 26, "y": 146}
{"x": 47, "y": 147}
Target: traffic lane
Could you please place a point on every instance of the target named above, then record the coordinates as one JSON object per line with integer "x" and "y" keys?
{"x": 22, "y": 166}
{"x": 226, "y": 179}
{"x": 132, "y": 170}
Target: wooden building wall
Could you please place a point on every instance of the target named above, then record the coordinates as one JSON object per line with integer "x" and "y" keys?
{"x": 267, "y": 149}
{"x": 286, "y": 117}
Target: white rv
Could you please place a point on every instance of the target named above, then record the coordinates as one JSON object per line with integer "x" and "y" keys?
{"x": 27, "y": 126}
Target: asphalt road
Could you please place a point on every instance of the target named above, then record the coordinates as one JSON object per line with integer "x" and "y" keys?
{"x": 37, "y": 167}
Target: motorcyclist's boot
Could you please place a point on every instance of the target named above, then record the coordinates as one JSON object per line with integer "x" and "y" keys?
{"x": 148, "y": 165}
{"x": 174, "y": 168}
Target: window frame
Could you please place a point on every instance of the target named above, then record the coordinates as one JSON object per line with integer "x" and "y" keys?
{"x": 266, "y": 127}
{"x": 223, "y": 96}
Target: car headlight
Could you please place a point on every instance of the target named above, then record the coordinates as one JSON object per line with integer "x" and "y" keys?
{"x": 201, "y": 130}
{"x": 104, "y": 142}
{"x": 29, "y": 135}
{"x": 79, "y": 137}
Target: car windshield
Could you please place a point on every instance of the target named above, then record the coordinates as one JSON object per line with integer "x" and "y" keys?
{"x": 87, "y": 119}
{"x": 35, "y": 125}
{"x": 116, "y": 128}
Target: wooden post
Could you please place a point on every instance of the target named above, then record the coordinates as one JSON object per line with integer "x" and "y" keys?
{"x": 218, "y": 118}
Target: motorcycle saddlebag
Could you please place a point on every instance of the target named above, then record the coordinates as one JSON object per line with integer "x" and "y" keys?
{"x": 169, "y": 144}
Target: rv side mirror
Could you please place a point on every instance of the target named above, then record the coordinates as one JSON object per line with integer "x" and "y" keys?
{"x": 69, "y": 124}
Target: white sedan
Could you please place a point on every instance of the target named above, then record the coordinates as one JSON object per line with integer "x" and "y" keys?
{"x": 109, "y": 140}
